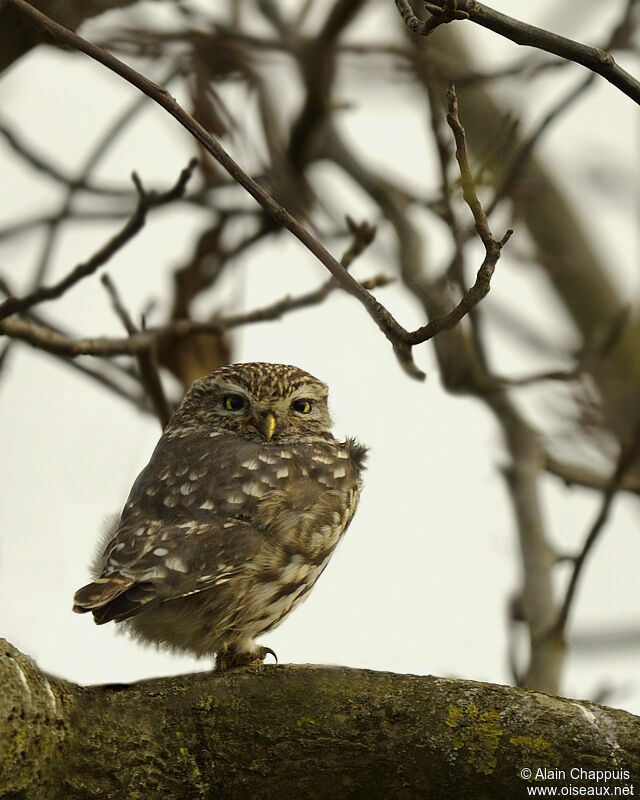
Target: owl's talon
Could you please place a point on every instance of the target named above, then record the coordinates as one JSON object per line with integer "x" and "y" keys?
{"x": 269, "y": 651}
{"x": 232, "y": 658}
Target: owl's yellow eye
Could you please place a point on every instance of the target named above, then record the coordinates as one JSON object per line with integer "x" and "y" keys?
{"x": 234, "y": 402}
{"x": 301, "y": 406}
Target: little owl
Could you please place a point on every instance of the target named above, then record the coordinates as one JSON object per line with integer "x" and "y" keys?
{"x": 234, "y": 518}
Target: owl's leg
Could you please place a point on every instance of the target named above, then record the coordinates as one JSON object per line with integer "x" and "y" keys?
{"x": 238, "y": 654}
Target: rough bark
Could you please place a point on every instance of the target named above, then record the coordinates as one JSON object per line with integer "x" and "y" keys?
{"x": 294, "y": 731}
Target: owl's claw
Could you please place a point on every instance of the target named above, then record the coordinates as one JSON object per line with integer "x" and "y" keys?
{"x": 232, "y": 658}
{"x": 269, "y": 651}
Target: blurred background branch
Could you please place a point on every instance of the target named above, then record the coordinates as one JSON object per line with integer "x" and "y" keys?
{"x": 264, "y": 50}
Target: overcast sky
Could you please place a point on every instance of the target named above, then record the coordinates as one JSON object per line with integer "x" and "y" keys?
{"x": 422, "y": 580}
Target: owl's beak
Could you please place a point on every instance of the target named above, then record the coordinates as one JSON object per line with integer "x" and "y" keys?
{"x": 268, "y": 425}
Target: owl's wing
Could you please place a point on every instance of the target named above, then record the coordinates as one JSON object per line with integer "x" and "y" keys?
{"x": 200, "y": 511}
{"x": 155, "y": 562}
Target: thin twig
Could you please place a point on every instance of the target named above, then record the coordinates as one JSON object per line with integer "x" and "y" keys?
{"x": 40, "y": 163}
{"x": 526, "y": 148}
{"x": 559, "y": 108}
{"x": 401, "y": 339}
{"x": 539, "y": 377}
{"x": 492, "y": 246}
{"x": 424, "y": 27}
{"x": 106, "y": 140}
{"x": 46, "y": 339}
{"x": 147, "y": 363}
{"x": 628, "y": 457}
{"x": 593, "y": 58}
{"x": 146, "y": 201}
{"x": 456, "y": 267}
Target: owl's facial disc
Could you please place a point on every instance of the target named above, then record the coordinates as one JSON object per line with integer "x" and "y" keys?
{"x": 273, "y": 411}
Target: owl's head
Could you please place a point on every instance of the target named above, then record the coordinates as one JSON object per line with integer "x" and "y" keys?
{"x": 260, "y": 401}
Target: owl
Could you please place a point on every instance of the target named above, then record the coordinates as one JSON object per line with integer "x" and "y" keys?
{"x": 233, "y": 520}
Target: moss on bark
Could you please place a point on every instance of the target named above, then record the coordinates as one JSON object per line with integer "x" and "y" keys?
{"x": 289, "y": 731}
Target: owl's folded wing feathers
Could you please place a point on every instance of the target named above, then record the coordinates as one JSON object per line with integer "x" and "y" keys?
{"x": 189, "y": 558}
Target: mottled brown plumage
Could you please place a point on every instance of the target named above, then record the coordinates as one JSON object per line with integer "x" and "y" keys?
{"x": 235, "y": 517}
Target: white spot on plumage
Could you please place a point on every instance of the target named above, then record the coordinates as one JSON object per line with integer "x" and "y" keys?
{"x": 187, "y": 488}
{"x": 251, "y": 463}
{"x": 160, "y": 551}
{"x": 193, "y": 476}
{"x": 285, "y": 453}
{"x": 235, "y": 498}
{"x": 154, "y": 573}
{"x": 207, "y": 505}
{"x": 339, "y": 472}
{"x": 267, "y": 458}
{"x": 170, "y": 501}
{"x": 253, "y": 489}
{"x": 176, "y": 563}
{"x": 295, "y": 571}
{"x": 282, "y": 472}
{"x": 323, "y": 459}
{"x": 139, "y": 531}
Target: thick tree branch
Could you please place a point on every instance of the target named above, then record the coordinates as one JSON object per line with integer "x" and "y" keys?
{"x": 462, "y": 372}
{"x": 295, "y": 731}
{"x": 577, "y": 475}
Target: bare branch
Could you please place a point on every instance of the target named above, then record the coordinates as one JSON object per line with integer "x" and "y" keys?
{"x": 401, "y": 339}
{"x": 146, "y": 201}
{"x": 147, "y": 363}
{"x": 538, "y": 377}
{"x": 492, "y": 247}
{"x": 46, "y": 339}
{"x": 577, "y": 475}
{"x": 41, "y": 164}
{"x": 424, "y": 27}
{"x": 593, "y": 58}
{"x": 628, "y": 457}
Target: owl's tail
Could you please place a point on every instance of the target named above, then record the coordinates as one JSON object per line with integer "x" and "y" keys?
{"x": 100, "y": 593}
{"x": 115, "y": 597}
